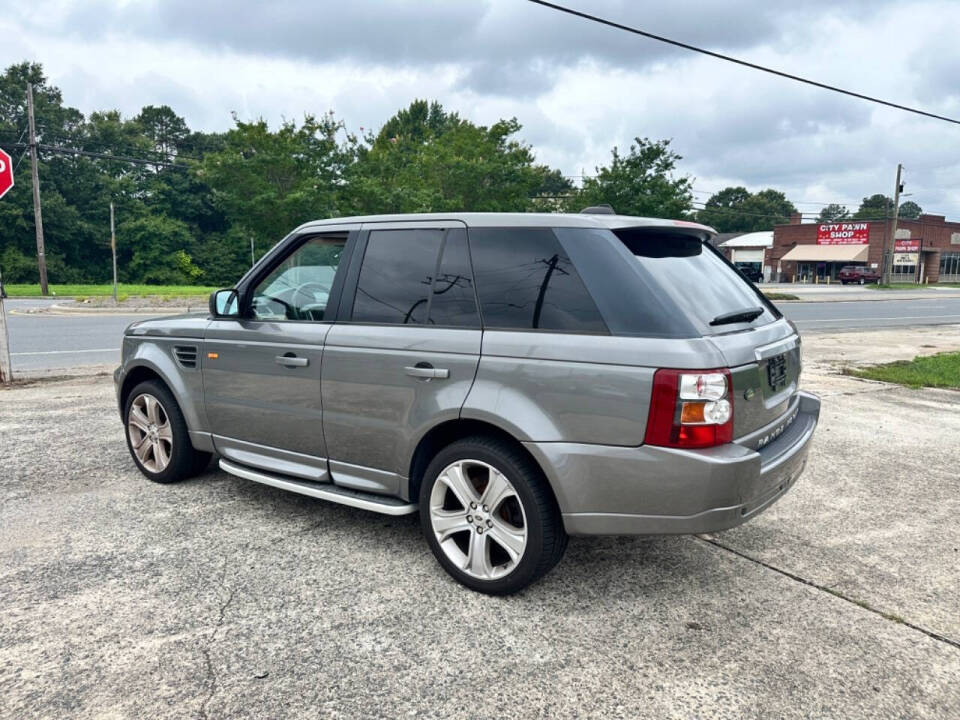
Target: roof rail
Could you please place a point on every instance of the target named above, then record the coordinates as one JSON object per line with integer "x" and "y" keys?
{"x": 599, "y": 210}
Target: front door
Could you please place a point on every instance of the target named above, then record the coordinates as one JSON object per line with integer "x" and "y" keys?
{"x": 261, "y": 372}
{"x": 405, "y": 353}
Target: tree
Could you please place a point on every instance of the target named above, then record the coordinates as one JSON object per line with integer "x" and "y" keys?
{"x": 154, "y": 250}
{"x": 268, "y": 182}
{"x": 910, "y": 210}
{"x": 425, "y": 159}
{"x": 639, "y": 183}
{"x": 736, "y": 209}
{"x": 875, "y": 207}
{"x": 164, "y": 128}
{"x": 833, "y": 213}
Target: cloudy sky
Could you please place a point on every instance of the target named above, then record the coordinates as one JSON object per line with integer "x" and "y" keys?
{"x": 577, "y": 88}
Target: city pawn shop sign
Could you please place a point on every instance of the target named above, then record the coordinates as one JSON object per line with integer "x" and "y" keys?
{"x": 844, "y": 233}
{"x": 6, "y": 173}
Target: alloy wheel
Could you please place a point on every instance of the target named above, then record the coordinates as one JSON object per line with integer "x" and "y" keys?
{"x": 478, "y": 519}
{"x": 151, "y": 436}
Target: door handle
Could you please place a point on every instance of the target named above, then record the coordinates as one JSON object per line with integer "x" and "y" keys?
{"x": 291, "y": 361}
{"x": 427, "y": 371}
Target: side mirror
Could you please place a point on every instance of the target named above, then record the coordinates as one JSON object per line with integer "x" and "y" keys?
{"x": 225, "y": 304}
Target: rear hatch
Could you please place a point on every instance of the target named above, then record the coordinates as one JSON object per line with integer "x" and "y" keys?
{"x": 761, "y": 348}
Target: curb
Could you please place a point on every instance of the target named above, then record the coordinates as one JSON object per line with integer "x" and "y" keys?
{"x": 67, "y": 310}
{"x": 835, "y": 299}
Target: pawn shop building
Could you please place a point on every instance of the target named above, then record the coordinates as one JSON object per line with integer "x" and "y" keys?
{"x": 925, "y": 250}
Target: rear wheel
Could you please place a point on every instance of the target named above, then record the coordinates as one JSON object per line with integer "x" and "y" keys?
{"x": 489, "y": 516}
{"x": 157, "y": 435}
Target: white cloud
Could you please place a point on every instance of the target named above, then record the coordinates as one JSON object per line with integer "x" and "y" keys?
{"x": 577, "y": 89}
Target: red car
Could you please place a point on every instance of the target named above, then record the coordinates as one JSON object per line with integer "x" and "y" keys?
{"x": 858, "y": 274}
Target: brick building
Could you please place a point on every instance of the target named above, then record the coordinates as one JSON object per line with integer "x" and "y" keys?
{"x": 926, "y": 249}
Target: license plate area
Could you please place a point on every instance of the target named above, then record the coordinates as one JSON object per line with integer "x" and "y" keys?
{"x": 777, "y": 372}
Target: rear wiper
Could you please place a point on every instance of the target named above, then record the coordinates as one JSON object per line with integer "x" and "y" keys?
{"x": 745, "y": 315}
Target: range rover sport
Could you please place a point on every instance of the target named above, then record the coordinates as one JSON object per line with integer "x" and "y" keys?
{"x": 513, "y": 378}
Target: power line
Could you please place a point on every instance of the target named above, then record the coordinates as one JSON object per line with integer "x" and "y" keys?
{"x": 102, "y": 156}
{"x": 738, "y": 61}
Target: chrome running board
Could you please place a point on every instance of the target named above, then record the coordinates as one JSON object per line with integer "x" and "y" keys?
{"x": 324, "y": 491}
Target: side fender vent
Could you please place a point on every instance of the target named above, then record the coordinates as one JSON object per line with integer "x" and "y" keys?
{"x": 186, "y": 356}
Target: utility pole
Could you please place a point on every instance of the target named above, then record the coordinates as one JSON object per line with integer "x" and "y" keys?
{"x": 37, "y": 214}
{"x": 113, "y": 251}
{"x": 6, "y": 369}
{"x": 888, "y": 249}
{"x": 252, "y": 260}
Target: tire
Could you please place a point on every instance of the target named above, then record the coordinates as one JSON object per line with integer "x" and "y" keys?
{"x": 526, "y": 508}
{"x": 157, "y": 435}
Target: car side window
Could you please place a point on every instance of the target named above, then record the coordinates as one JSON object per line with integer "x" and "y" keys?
{"x": 526, "y": 281}
{"x": 454, "y": 302}
{"x": 299, "y": 287}
{"x": 401, "y": 281}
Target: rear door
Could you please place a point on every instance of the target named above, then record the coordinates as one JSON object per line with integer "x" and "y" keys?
{"x": 403, "y": 353}
{"x": 261, "y": 372}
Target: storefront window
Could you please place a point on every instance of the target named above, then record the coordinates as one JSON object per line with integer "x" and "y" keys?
{"x": 950, "y": 267}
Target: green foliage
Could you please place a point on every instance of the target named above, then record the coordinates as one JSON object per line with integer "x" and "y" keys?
{"x": 910, "y": 210}
{"x": 875, "y": 207}
{"x": 941, "y": 370}
{"x": 125, "y": 290}
{"x": 154, "y": 251}
{"x": 833, "y": 213}
{"x": 427, "y": 160}
{"x": 268, "y": 183}
{"x": 736, "y": 209}
{"x": 638, "y": 183}
{"x": 195, "y": 222}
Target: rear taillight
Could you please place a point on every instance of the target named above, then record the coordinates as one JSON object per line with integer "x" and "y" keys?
{"x": 690, "y": 409}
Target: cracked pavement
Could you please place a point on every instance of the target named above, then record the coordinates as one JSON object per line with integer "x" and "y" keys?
{"x": 222, "y": 598}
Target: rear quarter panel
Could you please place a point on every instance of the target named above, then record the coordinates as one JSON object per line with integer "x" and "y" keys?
{"x": 557, "y": 387}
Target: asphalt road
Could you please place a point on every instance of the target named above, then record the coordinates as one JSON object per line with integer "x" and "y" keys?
{"x": 854, "y": 315}
{"x": 43, "y": 342}
{"x": 221, "y": 598}
{"x": 46, "y": 342}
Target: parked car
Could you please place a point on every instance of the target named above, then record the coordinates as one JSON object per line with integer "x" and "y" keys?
{"x": 513, "y": 378}
{"x": 751, "y": 271}
{"x": 857, "y": 274}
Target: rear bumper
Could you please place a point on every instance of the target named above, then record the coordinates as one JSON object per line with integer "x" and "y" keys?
{"x": 604, "y": 490}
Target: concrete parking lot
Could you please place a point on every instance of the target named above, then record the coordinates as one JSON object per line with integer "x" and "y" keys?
{"x": 221, "y": 598}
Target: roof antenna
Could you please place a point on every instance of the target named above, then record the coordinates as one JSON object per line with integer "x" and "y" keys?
{"x": 599, "y": 210}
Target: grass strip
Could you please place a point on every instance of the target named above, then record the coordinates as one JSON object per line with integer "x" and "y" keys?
{"x": 941, "y": 371}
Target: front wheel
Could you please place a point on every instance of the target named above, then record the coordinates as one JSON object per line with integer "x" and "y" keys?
{"x": 157, "y": 435}
{"x": 489, "y": 516}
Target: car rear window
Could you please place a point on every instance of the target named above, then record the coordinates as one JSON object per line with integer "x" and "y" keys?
{"x": 526, "y": 281}
{"x": 696, "y": 278}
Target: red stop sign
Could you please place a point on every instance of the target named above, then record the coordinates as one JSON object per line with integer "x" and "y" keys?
{"x": 6, "y": 173}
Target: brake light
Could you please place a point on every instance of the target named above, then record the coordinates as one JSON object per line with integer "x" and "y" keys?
{"x": 690, "y": 409}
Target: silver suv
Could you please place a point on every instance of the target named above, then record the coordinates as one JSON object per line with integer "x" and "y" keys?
{"x": 515, "y": 378}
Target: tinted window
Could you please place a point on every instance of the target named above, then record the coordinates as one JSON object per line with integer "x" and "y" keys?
{"x": 525, "y": 281}
{"x": 299, "y": 287}
{"x": 396, "y": 276}
{"x": 454, "y": 302}
{"x": 695, "y": 278}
